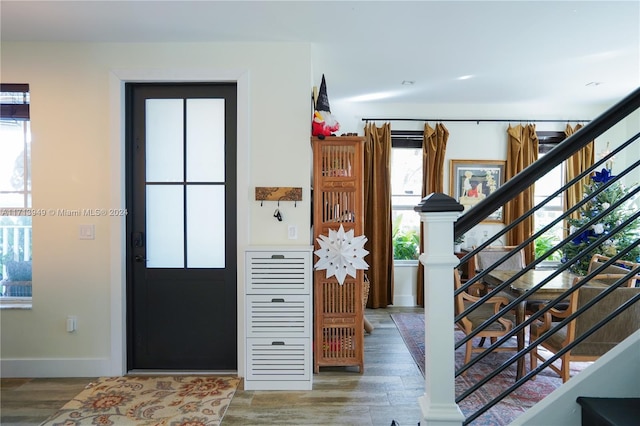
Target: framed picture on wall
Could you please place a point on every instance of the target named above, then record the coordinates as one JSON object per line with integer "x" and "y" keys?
{"x": 472, "y": 181}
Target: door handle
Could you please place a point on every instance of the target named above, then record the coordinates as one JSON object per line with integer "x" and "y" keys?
{"x": 139, "y": 258}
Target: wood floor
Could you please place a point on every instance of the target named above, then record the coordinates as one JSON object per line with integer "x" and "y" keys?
{"x": 387, "y": 390}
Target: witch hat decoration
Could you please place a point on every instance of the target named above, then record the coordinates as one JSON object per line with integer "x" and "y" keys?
{"x": 322, "y": 104}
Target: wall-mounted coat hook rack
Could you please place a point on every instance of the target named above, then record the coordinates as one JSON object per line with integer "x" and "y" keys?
{"x": 278, "y": 193}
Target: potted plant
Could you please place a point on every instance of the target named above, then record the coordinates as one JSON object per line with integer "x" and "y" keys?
{"x": 457, "y": 243}
{"x": 405, "y": 245}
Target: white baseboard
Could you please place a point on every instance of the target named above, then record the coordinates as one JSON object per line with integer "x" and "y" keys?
{"x": 47, "y": 367}
{"x": 404, "y": 300}
{"x": 301, "y": 385}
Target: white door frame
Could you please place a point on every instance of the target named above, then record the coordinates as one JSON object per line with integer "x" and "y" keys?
{"x": 117, "y": 80}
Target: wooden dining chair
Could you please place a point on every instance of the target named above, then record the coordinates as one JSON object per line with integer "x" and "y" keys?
{"x": 492, "y": 257}
{"x": 619, "y": 267}
{"x": 596, "y": 344}
{"x": 479, "y": 316}
{"x": 605, "y": 278}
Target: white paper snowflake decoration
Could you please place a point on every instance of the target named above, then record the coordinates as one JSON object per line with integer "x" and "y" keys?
{"x": 341, "y": 254}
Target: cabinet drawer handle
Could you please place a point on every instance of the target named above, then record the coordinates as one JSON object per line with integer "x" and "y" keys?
{"x": 277, "y": 256}
{"x": 277, "y": 300}
{"x": 277, "y": 343}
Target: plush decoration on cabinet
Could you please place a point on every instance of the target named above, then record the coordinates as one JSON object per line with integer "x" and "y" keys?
{"x": 324, "y": 123}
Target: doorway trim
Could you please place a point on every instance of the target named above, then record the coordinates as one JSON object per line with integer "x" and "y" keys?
{"x": 117, "y": 234}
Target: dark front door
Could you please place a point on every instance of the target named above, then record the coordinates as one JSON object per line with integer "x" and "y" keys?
{"x": 181, "y": 226}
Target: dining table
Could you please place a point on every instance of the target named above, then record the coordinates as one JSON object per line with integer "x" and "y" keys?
{"x": 549, "y": 291}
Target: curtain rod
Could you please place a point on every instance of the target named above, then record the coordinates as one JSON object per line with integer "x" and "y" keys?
{"x": 477, "y": 120}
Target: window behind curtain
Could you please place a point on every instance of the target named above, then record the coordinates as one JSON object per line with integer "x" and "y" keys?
{"x": 544, "y": 187}
{"x": 406, "y": 192}
{"x": 15, "y": 192}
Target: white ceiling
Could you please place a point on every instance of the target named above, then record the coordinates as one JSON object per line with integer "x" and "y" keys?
{"x": 515, "y": 51}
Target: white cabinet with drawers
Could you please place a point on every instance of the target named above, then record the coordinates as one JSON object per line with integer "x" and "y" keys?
{"x": 278, "y": 318}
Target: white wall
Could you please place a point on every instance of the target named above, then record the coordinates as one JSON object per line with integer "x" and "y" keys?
{"x": 72, "y": 169}
{"x": 405, "y": 277}
{"x": 618, "y": 134}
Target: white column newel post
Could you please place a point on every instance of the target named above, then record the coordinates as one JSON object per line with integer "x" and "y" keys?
{"x": 438, "y": 212}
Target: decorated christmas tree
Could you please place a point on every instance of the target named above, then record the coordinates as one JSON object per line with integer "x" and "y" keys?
{"x": 606, "y": 225}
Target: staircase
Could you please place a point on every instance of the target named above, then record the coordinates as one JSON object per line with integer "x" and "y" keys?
{"x": 616, "y": 374}
{"x": 609, "y": 411}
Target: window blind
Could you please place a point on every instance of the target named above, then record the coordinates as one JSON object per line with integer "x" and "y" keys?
{"x": 14, "y": 101}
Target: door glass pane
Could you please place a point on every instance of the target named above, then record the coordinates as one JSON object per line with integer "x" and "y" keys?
{"x": 205, "y": 140}
{"x": 165, "y": 226}
{"x": 164, "y": 144}
{"x": 205, "y": 226}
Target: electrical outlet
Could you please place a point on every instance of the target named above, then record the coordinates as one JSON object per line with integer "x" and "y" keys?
{"x": 293, "y": 232}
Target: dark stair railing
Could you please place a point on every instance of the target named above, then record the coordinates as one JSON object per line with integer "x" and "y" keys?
{"x": 508, "y": 191}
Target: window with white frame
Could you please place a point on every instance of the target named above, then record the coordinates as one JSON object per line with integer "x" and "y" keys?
{"x": 544, "y": 188}
{"x": 406, "y": 193}
{"x": 15, "y": 192}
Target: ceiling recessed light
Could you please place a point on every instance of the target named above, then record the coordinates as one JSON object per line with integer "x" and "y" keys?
{"x": 408, "y": 82}
{"x": 465, "y": 77}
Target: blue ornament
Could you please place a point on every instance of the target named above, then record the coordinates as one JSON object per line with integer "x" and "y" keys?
{"x": 602, "y": 176}
{"x": 582, "y": 238}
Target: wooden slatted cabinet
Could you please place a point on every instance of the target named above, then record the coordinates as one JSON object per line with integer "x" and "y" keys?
{"x": 338, "y": 200}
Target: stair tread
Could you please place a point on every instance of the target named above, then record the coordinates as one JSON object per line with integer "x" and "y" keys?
{"x": 610, "y": 411}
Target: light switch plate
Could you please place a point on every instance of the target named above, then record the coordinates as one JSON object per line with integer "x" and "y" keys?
{"x": 87, "y": 232}
{"x": 293, "y": 232}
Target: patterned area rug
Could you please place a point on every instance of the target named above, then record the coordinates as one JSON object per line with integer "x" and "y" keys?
{"x": 411, "y": 327}
{"x": 149, "y": 401}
